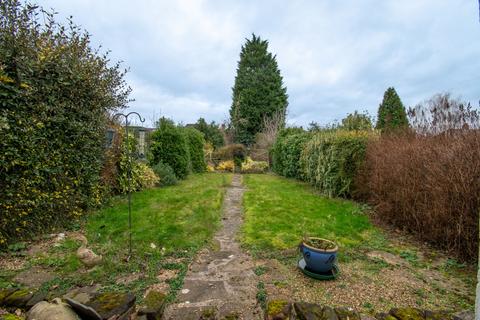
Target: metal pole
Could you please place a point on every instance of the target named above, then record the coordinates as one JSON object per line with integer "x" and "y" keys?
{"x": 129, "y": 177}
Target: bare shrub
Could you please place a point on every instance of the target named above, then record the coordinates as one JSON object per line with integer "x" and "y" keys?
{"x": 428, "y": 182}
{"x": 443, "y": 113}
{"x": 265, "y": 139}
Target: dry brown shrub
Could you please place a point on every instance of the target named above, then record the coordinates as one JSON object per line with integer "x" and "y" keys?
{"x": 428, "y": 184}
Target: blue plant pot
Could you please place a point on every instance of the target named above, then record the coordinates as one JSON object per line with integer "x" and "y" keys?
{"x": 319, "y": 260}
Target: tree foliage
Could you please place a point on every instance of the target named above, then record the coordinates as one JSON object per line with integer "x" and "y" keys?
{"x": 391, "y": 112}
{"x": 258, "y": 92}
{"x": 56, "y": 93}
{"x": 211, "y": 132}
{"x": 356, "y": 121}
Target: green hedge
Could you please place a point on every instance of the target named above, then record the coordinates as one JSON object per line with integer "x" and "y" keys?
{"x": 55, "y": 94}
{"x": 330, "y": 160}
{"x": 169, "y": 145}
{"x": 287, "y": 150}
{"x": 196, "y": 142}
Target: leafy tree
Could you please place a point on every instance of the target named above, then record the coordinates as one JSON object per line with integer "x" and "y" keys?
{"x": 258, "y": 92}
{"x": 196, "y": 143}
{"x": 356, "y": 121}
{"x": 170, "y": 146}
{"x": 391, "y": 112}
{"x": 211, "y": 132}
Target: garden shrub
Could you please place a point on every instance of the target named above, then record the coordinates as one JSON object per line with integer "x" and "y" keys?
{"x": 146, "y": 176}
{"x": 287, "y": 150}
{"x": 330, "y": 160}
{"x": 56, "y": 94}
{"x": 227, "y": 165}
{"x": 169, "y": 145}
{"x": 196, "y": 144}
{"x": 141, "y": 175}
{"x": 165, "y": 173}
{"x": 251, "y": 166}
{"x": 212, "y": 132}
{"x": 428, "y": 185}
{"x": 427, "y": 181}
{"x": 228, "y": 152}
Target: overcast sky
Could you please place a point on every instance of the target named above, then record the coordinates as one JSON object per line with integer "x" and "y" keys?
{"x": 335, "y": 56}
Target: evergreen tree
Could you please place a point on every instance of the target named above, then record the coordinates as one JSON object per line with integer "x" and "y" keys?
{"x": 211, "y": 131}
{"x": 258, "y": 92}
{"x": 391, "y": 112}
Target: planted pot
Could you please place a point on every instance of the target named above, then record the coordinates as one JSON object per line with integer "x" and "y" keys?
{"x": 319, "y": 254}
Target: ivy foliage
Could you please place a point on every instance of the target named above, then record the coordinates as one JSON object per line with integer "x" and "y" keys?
{"x": 56, "y": 92}
{"x": 391, "y": 113}
{"x": 258, "y": 92}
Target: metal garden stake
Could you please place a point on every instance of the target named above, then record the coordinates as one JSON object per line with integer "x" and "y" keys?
{"x": 129, "y": 177}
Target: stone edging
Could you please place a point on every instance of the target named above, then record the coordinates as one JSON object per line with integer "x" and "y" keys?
{"x": 284, "y": 310}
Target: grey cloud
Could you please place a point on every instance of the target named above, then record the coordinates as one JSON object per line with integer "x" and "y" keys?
{"x": 335, "y": 56}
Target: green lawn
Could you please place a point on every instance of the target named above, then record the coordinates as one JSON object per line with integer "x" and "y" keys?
{"x": 280, "y": 211}
{"x": 169, "y": 225}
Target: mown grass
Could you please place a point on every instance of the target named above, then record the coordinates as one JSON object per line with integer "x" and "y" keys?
{"x": 280, "y": 211}
{"x": 169, "y": 225}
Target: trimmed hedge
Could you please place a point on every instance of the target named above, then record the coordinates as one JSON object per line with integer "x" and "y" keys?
{"x": 196, "y": 142}
{"x": 330, "y": 160}
{"x": 170, "y": 146}
{"x": 287, "y": 150}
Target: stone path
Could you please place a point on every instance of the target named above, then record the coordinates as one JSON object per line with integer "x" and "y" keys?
{"x": 220, "y": 283}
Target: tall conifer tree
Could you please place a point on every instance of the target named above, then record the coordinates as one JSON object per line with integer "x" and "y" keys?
{"x": 258, "y": 91}
{"x": 391, "y": 112}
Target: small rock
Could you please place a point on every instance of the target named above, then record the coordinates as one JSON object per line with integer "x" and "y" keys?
{"x": 127, "y": 314}
{"x": 464, "y": 315}
{"x": 307, "y": 311}
{"x": 55, "y": 310}
{"x": 278, "y": 310}
{"x": 347, "y": 314}
{"x": 83, "y": 311}
{"x": 153, "y": 305}
{"x": 4, "y": 293}
{"x": 438, "y": 315}
{"x": 83, "y": 294}
{"x": 110, "y": 304}
{"x": 60, "y": 237}
{"x": 384, "y": 316}
{"x": 185, "y": 291}
{"x": 153, "y": 246}
{"x": 407, "y": 313}
{"x": 33, "y": 277}
{"x": 36, "y": 298}
{"x": 18, "y": 298}
{"x": 329, "y": 314}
